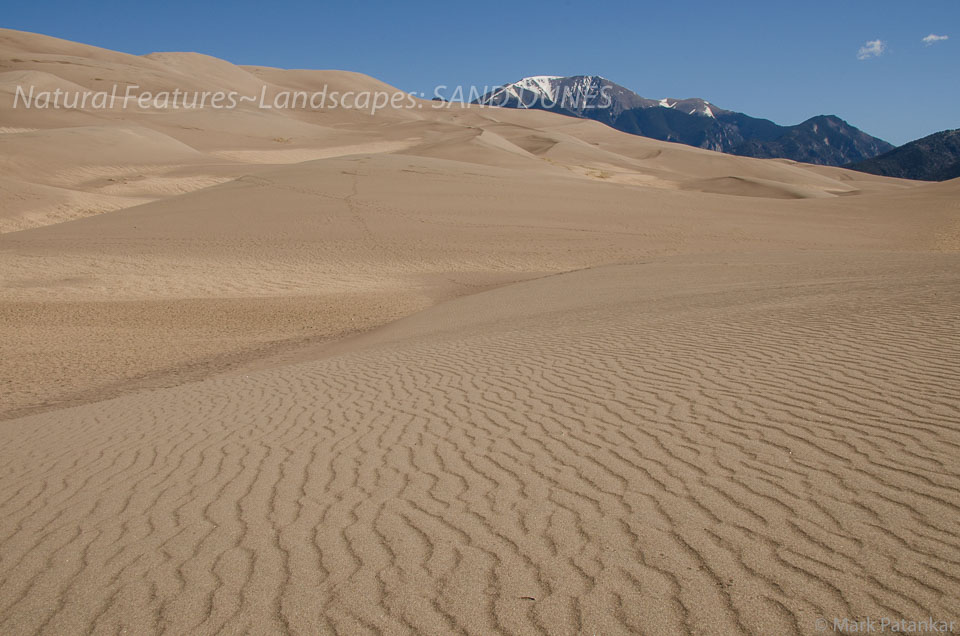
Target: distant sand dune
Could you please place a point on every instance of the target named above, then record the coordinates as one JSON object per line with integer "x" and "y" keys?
{"x": 299, "y": 155}
{"x": 740, "y": 186}
{"x": 10, "y": 130}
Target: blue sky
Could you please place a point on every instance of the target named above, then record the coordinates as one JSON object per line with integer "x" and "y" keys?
{"x": 783, "y": 61}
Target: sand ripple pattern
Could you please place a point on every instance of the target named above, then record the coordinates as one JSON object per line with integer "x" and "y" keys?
{"x": 717, "y": 465}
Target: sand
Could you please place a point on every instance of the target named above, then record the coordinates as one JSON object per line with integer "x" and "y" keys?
{"x": 462, "y": 370}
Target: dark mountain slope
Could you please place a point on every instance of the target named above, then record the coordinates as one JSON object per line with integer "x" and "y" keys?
{"x": 936, "y": 157}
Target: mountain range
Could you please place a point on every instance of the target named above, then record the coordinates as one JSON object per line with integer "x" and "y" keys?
{"x": 936, "y": 157}
{"x": 824, "y": 139}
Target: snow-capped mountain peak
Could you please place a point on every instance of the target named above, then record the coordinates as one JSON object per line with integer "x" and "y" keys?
{"x": 692, "y": 106}
{"x": 824, "y": 139}
{"x": 542, "y": 84}
{"x": 572, "y": 94}
{"x": 583, "y": 92}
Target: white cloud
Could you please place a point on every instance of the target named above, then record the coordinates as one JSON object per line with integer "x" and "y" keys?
{"x": 873, "y": 48}
{"x": 933, "y": 39}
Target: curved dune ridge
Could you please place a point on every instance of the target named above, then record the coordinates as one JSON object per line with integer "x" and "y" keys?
{"x": 457, "y": 370}
{"x": 633, "y": 449}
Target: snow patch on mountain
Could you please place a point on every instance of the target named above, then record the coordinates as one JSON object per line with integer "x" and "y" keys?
{"x": 544, "y": 85}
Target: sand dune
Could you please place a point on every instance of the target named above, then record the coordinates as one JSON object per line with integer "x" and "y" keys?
{"x": 457, "y": 370}
{"x": 28, "y": 205}
{"x": 651, "y": 448}
{"x": 753, "y": 187}
{"x": 79, "y": 149}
